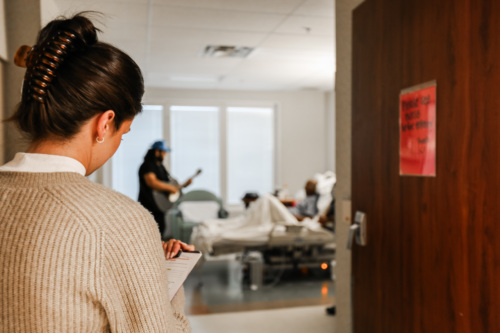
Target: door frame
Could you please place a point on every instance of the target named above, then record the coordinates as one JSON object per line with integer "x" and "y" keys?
{"x": 343, "y": 111}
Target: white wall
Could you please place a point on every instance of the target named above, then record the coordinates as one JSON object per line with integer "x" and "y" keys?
{"x": 3, "y": 32}
{"x": 22, "y": 26}
{"x": 330, "y": 130}
{"x": 302, "y": 116}
{"x": 48, "y": 11}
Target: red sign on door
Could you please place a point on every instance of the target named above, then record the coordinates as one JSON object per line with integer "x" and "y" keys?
{"x": 417, "y": 124}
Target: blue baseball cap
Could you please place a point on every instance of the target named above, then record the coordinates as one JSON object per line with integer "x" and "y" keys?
{"x": 161, "y": 145}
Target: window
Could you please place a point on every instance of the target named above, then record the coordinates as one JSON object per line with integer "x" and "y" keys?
{"x": 194, "y": 137}
{"x": 146, "y": 128}
{"x": 234, "y": 146}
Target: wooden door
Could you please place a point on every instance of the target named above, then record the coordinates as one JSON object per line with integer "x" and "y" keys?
{"x": 432, "y": 262}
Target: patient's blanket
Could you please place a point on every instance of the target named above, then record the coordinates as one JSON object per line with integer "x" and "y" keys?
{"x": 253, "y": 228}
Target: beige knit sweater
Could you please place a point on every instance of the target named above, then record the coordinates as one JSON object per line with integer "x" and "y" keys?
{"x": 78, "y": 257}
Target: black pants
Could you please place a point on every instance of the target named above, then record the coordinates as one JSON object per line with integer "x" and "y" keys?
{"x": 160, "y": 220}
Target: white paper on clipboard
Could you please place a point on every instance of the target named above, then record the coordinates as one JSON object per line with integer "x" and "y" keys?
{"x": 179, "y": 268}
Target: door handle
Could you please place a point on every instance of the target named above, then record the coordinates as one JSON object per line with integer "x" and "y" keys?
{"x": 352, "y": 233}
{"x": 358, "y": 230}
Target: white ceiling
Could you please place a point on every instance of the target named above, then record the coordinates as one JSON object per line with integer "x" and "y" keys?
{"x": 293, "y": 41}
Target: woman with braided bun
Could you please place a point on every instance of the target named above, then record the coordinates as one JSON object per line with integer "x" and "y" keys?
{"x": 74, "y": 255}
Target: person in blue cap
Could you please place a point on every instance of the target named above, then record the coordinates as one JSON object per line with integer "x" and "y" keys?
{"x": 155, "y": 183}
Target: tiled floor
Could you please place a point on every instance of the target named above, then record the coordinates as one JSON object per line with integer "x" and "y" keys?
{"x": 290, "y": 320}
{"x": 223, "y": 287}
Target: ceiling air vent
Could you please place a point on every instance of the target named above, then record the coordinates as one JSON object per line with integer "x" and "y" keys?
{"x": 224, "y": 51}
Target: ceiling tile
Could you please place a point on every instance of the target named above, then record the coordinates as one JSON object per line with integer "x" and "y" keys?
{"x": 112, "y": 10}
{"x": 125, "y": 12}
{"x": 205, "y": 37}
{"x": 261, "y": 6}
{"x": 317, "y": 7}
{"x": 66, "y": 3}
{"x": 215, "y": 19}
{"x": 316, "y": 43}
{"x": 117, "y": 33}
{"x": 179, "y": 48}
{"x": 307, "y": 25}
{"x": 298, "y": 55}
{"x": 192, "y": 66}
{"x": 166, "y": 38}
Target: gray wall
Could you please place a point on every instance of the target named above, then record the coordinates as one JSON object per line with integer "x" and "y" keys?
{"x": 330, "y": 131}
{"x": 23, "y": 24}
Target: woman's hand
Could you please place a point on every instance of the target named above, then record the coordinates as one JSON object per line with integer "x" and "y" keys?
{"x": 172, "y": 247}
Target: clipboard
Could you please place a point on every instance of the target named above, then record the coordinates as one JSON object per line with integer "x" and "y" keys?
{"x": 178, "y": 269}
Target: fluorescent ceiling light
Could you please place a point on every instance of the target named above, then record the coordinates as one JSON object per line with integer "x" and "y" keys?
{"x": 227, "y": 51}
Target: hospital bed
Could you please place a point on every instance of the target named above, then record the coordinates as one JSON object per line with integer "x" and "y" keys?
{"x": 219, "y": 237}
{"x": 269, "y": 229}
{"x": 189, "y": 210}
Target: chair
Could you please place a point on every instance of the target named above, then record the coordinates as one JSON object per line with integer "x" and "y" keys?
{"x": 191, "y": 209}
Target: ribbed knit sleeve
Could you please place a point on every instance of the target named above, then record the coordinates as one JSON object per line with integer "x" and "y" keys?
{"x": 77, "y": 257}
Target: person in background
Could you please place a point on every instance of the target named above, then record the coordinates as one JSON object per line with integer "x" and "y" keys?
{"x": 153, "y": 176}
{"x": 327, "y": 219}
{"x": 76, "y": 256}
{"x": 308, "y": 207}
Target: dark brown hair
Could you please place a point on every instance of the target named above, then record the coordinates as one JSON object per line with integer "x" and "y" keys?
{"x": 89, "y": 77}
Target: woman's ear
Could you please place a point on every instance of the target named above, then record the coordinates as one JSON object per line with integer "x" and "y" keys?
{"x": 105, "y": 121}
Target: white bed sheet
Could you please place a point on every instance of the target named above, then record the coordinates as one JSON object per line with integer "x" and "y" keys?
{"x": 266, "y": 219}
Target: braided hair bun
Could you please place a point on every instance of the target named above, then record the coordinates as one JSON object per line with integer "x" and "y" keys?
{"x": 71, "y": 77}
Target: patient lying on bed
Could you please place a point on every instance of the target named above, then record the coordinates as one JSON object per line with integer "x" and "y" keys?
{"x": 266, "y": 222}
{"x": 308, "y": 207}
